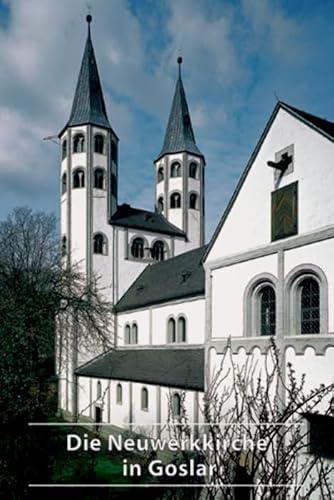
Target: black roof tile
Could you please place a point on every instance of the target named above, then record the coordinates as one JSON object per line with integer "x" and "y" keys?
{"x": 127, "y": 216}
{"x": 172, "y": 279}
{"x": 180, "y": 367}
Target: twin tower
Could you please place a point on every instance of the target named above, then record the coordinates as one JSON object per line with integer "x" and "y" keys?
{"x": 89, "y": 177}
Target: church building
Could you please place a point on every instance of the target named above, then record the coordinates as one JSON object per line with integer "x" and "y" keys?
{"x": 267, "y": 271}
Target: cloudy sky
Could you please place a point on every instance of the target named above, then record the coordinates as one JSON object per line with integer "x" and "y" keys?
{"x": 239, "y": 56}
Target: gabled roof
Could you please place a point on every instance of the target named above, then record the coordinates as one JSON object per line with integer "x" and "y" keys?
{"x": 181, "y": 367}
{"x": 88, "y": 103}
{"x": 324, "y": 127}
{"x": 176, "y": 278}
{"x": 179, "y": 135}
{"x": 127, "y": 216}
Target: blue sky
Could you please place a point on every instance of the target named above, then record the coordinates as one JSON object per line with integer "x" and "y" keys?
{"x": 238, "y": 55}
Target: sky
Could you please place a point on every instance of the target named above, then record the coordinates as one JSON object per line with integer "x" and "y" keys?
{"x": 239, "y": 58}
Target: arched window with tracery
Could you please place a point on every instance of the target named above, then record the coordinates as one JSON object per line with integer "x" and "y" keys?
{"x": 99, "y": 178}
{"x": 309, "y": 304}
{"x": 175, "y": 169}
{"x": 158, "y": 250}
{"x": 100, "y": 244}
{"x": 175, "y": 200}
{"x": 78, "y": 178}
{"x": 99, "y": 144}
{"x": 78, "y": 143}
{"x": 267, "y": 310}
{"x": 64, "y": 183}
{"x": 137, "y": 248}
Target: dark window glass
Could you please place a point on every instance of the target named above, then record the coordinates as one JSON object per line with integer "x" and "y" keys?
{"x": 144, "y": 399}
{"x": 114, "y": 152}
{"x": 64, "y": 246}
{"x": 176, "y": 405}
{"x": 310, "y": 306}
{"x": 113, "y": 185}
{"x": 127, "y": 334}
{"x": 193, "y": 171}
{"x": 171, "y": 333}
{"x": 267, "y": 310}
{"x": 175, "y": 200}
{"x": 78, "y": 179}
{"x": 181, "y": 329}
{"x": 79, "y": 143}
{"x": 193, "y": 201}
{"x": 158, "y": 250}
{"x": 134, "y": 334}
{"x": 160, "y": 174}
{"x": 160, "y": 204}
{"x": 119, "y": 394}
{"x": 64, "y": 149}
{"x": 99, "y": 178}
{"x": 64, "y": 183}
{"x": 99, "y": 244}
{"x": 99, "y": 144}
{"x": 137, "y": 248}
{"x": 98, "y": 390}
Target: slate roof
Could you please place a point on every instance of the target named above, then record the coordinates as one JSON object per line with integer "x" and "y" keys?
{"x": 180, "y": 368}
{"x": 88, "y": 103}
{"x": 179, "y": 135}
{"x": 127, "y": 216}
{"x": 320, "y": 123}
{"x": 172, "y": 279}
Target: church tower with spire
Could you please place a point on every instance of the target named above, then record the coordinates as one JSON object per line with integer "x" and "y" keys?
{"x": 89, "y": 173}
{"x": 179, "y": 168}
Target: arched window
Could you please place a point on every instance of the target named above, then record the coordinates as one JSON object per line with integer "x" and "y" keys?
{"x": 193, "y": 170}
{"x": 176, "y": 405}
{"x": 63, "y": 246}
{"x": 114, "y": 151}
{"x": 181, "y": 329}
{"x": 98, "y": 390}
{"x": 127, "y": 334}
{"x": 113, "y": 185}
{"x": 160, "y": 204}
{"x": 144, "y": 399}
{"x": 309, "y": 303}
{"x": 175, "y": 200}
{"x": 78, "y": 178}
{"x": 64, "y": 149}
{"x": 99, "y": 178}
{"x": 137, "y": 248}
{"x": 175, "y": 169}
{"x": 267, "y": 310}
{"x": 119, "y": 394}
{"x": 100, "y": 244}
{"x": 99, "y": 144}
{"x": 171, "y": 331}
{"x": 260, "y": 306}
{"x": 64, "y": 183}
{"x": 78, "y": 143}
{"x": 134, "y": 334}
{"x": 158, "y": 250}
{"x": 160, "y": 175}
{"x": 193, "y": 201}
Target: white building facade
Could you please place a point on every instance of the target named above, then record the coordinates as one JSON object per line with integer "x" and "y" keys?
{"x": 267, "y": 271}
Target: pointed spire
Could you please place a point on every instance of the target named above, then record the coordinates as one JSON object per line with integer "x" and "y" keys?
{"x": 179, "y": 135}
{"x": 88, "y": 103}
